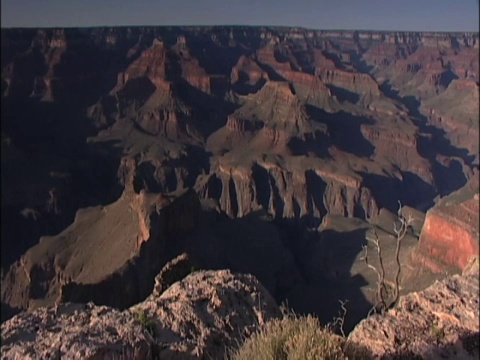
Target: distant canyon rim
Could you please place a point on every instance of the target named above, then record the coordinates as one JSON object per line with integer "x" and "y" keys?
{"x": 272, "y": 151}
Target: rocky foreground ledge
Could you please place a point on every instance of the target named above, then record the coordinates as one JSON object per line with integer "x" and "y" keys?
{"x": 198, "y": 317}
{"x": 441, "y": 322}
{"x": 207, "y": 313}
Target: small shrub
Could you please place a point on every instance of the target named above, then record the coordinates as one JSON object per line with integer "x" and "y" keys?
{"x": 147, "y": 322}
{"x": 296, "y": 338}
{"x": 437, "y": 332}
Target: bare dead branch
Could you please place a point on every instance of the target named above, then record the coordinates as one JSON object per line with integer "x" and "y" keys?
{"x": 340, "y": 320}
{"x": 401, "y": 232}
{"x": 400, "y": 229}
{"x": 381, "y": 289}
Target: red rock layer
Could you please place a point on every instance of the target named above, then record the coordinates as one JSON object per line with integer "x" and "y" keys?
{"x": 192, "y": 72}
{"x": 464, "y": 63}
{"x": 399, "y": 146}
{"x": 449, "y": 239}
{"x": 355, "y": 82}
{"x": 450, "y": 235}
{"x": 321, "y": 61}
{"x": 150, "y": 64}
{"x": 312, "y": 87}
{"x": 249, "y": 68}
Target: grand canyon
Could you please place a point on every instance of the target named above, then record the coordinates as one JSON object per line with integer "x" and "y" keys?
{"x": 270, "y": 151}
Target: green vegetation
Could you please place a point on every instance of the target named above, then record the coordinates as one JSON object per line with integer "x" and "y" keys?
{"x": 437, "y": 332}
{"x": 147, "y": 322}
{"x": 297, "y": 337}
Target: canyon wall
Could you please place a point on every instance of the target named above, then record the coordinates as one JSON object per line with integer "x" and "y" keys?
{"x": 131, "y": 145}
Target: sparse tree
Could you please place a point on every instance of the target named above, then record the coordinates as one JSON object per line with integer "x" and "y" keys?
{"x": 386, "y": 297}
{"x": 340, "y": 320}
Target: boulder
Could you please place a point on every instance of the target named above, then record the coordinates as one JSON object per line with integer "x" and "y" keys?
{"x": 75, "y": 331}
{"x": 200, "y": 316}
{"x": 439, "y": 322}
{"x": 206, "y": 313}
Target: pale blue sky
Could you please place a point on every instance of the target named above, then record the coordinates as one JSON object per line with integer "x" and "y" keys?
{"x": 415, "y": 15}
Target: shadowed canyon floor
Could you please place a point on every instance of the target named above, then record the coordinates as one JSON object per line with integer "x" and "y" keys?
{"x": 269, "y": 151}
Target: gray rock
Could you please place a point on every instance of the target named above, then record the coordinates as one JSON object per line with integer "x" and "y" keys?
{"x": 75, "y": 331}
{"x": 207, "y": 312}
{"x": 198, "y": 317}
{"x": 440, "y": 322}
{"x": 172, "y": 272}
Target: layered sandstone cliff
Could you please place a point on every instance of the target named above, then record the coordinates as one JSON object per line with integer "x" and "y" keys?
{"x": 450, "y": 235}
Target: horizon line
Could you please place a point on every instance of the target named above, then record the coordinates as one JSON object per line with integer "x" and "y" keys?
{"x": 237, "y": 25}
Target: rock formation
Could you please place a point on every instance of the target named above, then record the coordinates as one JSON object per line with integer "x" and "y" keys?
{"x": 57, "y": 262}
{"x": 173, "y": 271}
{"x": 75, "y": 331}
{"x": 450, "y": 234}
{"x": 125, "y": 147}
{"x": 459, "y": 119}
{"x": 207, "y": 312}
{"x": 202, "y": 315}
{"x": 438, "y": 322}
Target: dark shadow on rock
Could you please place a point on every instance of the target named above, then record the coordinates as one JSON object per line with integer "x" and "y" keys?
{"x": 345, "y": 130}
{"x": 310, "y": 278}
{"x": 27, "y": 67}
{"x": 433, "y": 143}
{"x": 316, "y": 143}
{"x": 243, "y": 87}
{"x": 317, "y": 186}
{"x": 326, "y": 263}
{"x": 449, "y": 177}
{"x": 277, "y": 200}
{"x": 468, "y": 341}
{"x": 436, "y": 142}
{"x": 138, "y": 89}
{"x": 144, "y": 178}
{"x": 171, "y": 174}
{"x": 224, "y": 59}
{"x": 415, "y": 192}
{"x": 8, "y": 312}
{"x": 471, "y": 342}
{"x": 211, "y": 239}
{"x": 214, "y": 187}
{"x": 272, "y": 74}
{"x": 281, "y": 54}
{"x": 359, "y": 63}
{"x": 197, "y": 161}
{"x": 50, "y": 138}
{"x": 411, "y": 191}
{"x": 447, "y": 77}
{"x": 334, "y": 57}
{"x": 344, "y": 94}
{"x": 16, "y": 41}
{"x": 134, "y": 281}
{"x": 262, "y": 185}
{"x": 232, "y": 191}
{"x": 209, "y": 112}
{"x": 78, "y": 77}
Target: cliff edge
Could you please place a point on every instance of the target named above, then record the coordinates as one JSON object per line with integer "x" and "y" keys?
{"x": 440, "y": 322}
{"x": 198, "y": 317}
